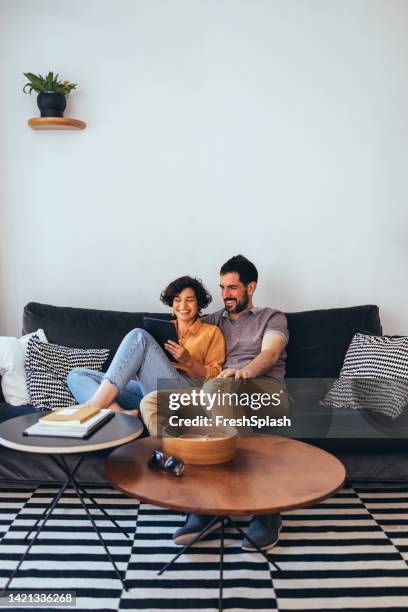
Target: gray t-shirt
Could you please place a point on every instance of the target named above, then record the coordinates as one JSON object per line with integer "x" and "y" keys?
{"x": 244, "y": 336}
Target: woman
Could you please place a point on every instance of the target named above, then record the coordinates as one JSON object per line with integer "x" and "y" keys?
{"x": 199, "y": 354}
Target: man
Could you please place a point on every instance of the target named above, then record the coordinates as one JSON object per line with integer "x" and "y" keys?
{"x": 256, "y": 341}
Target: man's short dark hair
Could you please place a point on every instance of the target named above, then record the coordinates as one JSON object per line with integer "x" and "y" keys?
{"x": 245, "y": 268}
{"x": 186, "y": 282}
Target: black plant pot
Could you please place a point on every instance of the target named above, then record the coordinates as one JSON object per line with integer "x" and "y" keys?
{"x": 51, "y": 104}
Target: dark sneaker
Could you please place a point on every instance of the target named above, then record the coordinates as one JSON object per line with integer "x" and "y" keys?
{"x": 194, "y": 524}
{"x": 264, "y": 531}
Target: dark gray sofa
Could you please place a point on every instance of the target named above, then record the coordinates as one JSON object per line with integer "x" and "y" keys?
{"x": 370, "y": 447}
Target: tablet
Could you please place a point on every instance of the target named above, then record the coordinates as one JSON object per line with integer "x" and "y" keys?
{"x": 162, "y": 330}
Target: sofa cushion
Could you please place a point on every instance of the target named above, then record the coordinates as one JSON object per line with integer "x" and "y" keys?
{"x": 12, "y": 368}
{"x": 374, "y": 376}
{"x": 47, "y": 367}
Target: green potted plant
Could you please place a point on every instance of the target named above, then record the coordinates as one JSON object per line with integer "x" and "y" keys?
{"x": 52, "y": 93}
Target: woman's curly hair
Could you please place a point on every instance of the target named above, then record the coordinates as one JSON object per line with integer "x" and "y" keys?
{"x": 186, "y": 282}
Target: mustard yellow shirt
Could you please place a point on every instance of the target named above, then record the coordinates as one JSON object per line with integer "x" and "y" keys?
{"x": 206, "y": 344}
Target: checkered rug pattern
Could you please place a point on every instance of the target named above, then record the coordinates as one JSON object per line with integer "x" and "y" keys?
{"x": 347, "y": 553}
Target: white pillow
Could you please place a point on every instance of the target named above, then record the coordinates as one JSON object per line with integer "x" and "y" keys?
{"x": 12, "y": 372}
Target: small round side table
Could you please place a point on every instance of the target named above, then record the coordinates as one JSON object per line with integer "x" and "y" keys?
{"x": 119, "y": 430}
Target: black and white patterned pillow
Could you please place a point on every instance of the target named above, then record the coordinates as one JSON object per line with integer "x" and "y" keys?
{"x": 374, "y": 376}
{"x": 47, "y": 367}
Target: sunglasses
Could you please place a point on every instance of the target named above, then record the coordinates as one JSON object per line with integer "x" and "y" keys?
{"x": 171, "y": 465}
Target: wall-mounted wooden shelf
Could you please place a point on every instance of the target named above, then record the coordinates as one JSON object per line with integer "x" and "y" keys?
{"x": 56, "y": 123}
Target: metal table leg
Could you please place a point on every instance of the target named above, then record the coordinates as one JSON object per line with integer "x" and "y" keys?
{"x": 261, "y": 552}
{"x": 225, "y": 521}
{"x": 55, "y": 495}
{"x": 37, "y": 528}
{"x": 94, "y": 525}
{"x": 93, "y": 500}
{"x": 37, "y": 533}
{"x": 221, "y": 581}
{"x": 187, "y": 546}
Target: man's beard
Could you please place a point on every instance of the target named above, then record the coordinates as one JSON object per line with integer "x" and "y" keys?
{"x": 239, "y": 306}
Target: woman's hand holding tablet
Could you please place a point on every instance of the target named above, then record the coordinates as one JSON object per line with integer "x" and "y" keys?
{"x": 179, "y": 352}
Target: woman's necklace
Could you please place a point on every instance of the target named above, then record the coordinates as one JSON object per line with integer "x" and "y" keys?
{"x": 182, "y": 333}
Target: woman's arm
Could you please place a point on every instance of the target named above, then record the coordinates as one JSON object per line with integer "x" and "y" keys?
{"x": 213, "y": 359}
{"x": 215, "y": 356}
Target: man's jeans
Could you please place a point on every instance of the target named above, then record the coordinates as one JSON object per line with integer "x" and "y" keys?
{"x": 138, "y": 356}
{"x": 156, "y": 412}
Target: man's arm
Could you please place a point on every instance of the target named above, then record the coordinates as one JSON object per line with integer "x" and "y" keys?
{"x": 272, "y": 346}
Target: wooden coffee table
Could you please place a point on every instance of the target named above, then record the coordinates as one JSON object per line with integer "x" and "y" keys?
{"x": 268, "y": 475}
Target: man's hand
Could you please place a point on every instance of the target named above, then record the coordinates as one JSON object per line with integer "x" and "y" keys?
{"x": 232, "y": 373}
{"x": 180, "y": 353}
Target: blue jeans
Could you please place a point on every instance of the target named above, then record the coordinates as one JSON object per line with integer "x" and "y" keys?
{"x": 138, "y": 356}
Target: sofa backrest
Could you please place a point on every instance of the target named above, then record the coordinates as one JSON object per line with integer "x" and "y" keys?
{"x": 318, "y": 339}
{"x": 83, "y": 327}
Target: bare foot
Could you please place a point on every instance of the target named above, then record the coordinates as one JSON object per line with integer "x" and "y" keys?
{"x": 134, "y": 413}
{"x": 116, "y": 408}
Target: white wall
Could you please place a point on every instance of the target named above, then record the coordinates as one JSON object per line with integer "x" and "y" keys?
{"x": 273, "y": 128}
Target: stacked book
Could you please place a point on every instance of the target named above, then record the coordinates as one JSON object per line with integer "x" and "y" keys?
{"x": 74, "y": 422}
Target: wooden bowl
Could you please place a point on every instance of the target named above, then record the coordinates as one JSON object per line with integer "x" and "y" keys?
{"x": 198, "y": 446}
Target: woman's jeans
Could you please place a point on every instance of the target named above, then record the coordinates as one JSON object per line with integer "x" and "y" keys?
{"x": 138, "y": 356}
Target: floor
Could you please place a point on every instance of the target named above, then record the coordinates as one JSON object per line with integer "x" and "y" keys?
{"x": 347, "y": 553}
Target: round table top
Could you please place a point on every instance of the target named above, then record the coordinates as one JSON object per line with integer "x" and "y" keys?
{"x": 120, "y": 429}
{"x": 268, "y": 475}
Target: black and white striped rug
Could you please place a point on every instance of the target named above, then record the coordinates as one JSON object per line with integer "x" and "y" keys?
{"x": 347, "y": 553}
